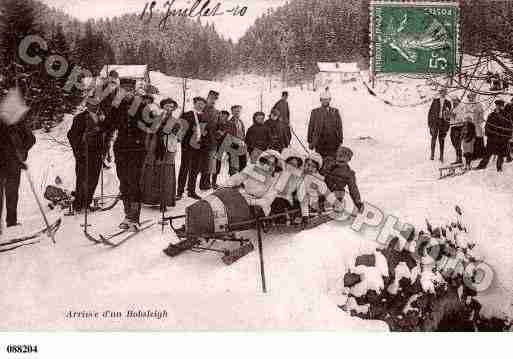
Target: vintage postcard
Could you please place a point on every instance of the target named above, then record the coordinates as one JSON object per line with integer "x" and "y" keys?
{"x": 231, "y": 165}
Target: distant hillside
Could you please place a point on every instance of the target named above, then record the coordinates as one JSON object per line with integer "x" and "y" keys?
{"x": 303, "y": 32}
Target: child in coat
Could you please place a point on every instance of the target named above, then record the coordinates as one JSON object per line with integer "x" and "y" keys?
{"x": 339, "y": 175}
{"x": 288, "y": 184}
{"x": 313, "y": 191}
{"x": 469, "y": 138}
{"x": 278, "y": 131}
{"x": 258, "y": 137}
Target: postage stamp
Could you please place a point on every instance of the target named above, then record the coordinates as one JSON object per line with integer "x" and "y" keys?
{"x": 414, "y": 37}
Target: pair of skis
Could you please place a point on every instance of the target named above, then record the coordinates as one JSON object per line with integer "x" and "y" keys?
{"x": 30, "y": 239}
{"x": 117, "y": 238}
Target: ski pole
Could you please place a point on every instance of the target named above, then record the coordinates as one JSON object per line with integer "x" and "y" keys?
{"x": 261, "y": 254}
{"x": 297, "y": 138}
{"x": 50, "y": 233}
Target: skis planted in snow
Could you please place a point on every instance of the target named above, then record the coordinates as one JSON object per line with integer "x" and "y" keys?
{"x": 123, "y": 236}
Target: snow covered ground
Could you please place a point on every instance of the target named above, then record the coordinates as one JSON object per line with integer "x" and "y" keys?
{"x": 304, "y": 271}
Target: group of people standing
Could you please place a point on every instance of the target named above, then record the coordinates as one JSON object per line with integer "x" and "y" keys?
{"x": 468, "y": 129}
{"x": 145, "y": 155}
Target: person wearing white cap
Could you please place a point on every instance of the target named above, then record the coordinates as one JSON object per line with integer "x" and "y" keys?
{"x": 325, "y": 130}
{"x": 457, "y": 122}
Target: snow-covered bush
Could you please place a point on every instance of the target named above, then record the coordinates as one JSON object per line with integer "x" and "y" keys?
{"x": 419, "y": 285}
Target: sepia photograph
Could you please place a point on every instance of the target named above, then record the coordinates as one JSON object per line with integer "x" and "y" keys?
{"x": 255, "y": 166}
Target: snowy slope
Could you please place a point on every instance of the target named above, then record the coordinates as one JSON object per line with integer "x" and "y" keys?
{"x": 303, "y": 270}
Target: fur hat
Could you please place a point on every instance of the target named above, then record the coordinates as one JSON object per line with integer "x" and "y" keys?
{"x": 289, "y": 153}
{"x": 315, "y": 157}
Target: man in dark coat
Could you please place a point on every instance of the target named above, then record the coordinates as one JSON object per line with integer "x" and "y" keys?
{"x": 438, "y": 122}
{"x": 498, "y": 131}
{"x": 15, "y": 142}
{"x": 283, "y": 106}
{"x": 130, "y": 152}
{"x": 192, "y": 142}
{"x": 86, "y": 140}
{"x": 211, "y": 117}
{"x": 325, "y": 132}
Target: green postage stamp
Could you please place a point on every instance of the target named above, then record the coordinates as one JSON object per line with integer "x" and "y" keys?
{"x": 414, "y": 37}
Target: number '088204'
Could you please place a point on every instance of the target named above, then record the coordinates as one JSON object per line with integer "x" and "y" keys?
{"x": 21, "y": 349}
{"x": 439, "y": 12}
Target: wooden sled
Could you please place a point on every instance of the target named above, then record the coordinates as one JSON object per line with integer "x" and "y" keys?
{"x": 276, "y": 224}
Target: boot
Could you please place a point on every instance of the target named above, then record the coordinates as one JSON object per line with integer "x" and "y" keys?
{"x": 134, "y": 227}
{"x": 135, "y": 212}
{"x": 126, "y": 221}
{"x": 500, "y": 161}
{"x": 125, "y": 224}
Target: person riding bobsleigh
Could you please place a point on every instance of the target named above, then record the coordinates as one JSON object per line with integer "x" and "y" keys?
{"x": 257, "y": 182}
{"x": 290, "y": 180}
{"x": 313, "y": 191}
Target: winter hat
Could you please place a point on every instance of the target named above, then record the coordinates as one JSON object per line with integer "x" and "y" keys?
{"x": 199, "y": 99}
{"x": 213, "y": 94}
{"x": 275, "y": 154}
{"x": 114, "y": 74}
{"x": 289, "y": 154}
{"x": 325, "y": 95}
{"x": 345, "y": 152}
{"x": 168, "y": 101}
{"x": 315, "y": 157}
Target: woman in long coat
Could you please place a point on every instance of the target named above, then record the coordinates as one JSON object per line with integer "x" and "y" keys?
{"x": 159, "y": 176}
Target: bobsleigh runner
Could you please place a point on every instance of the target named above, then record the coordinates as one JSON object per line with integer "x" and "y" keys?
{"x": 222, "y": 216}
